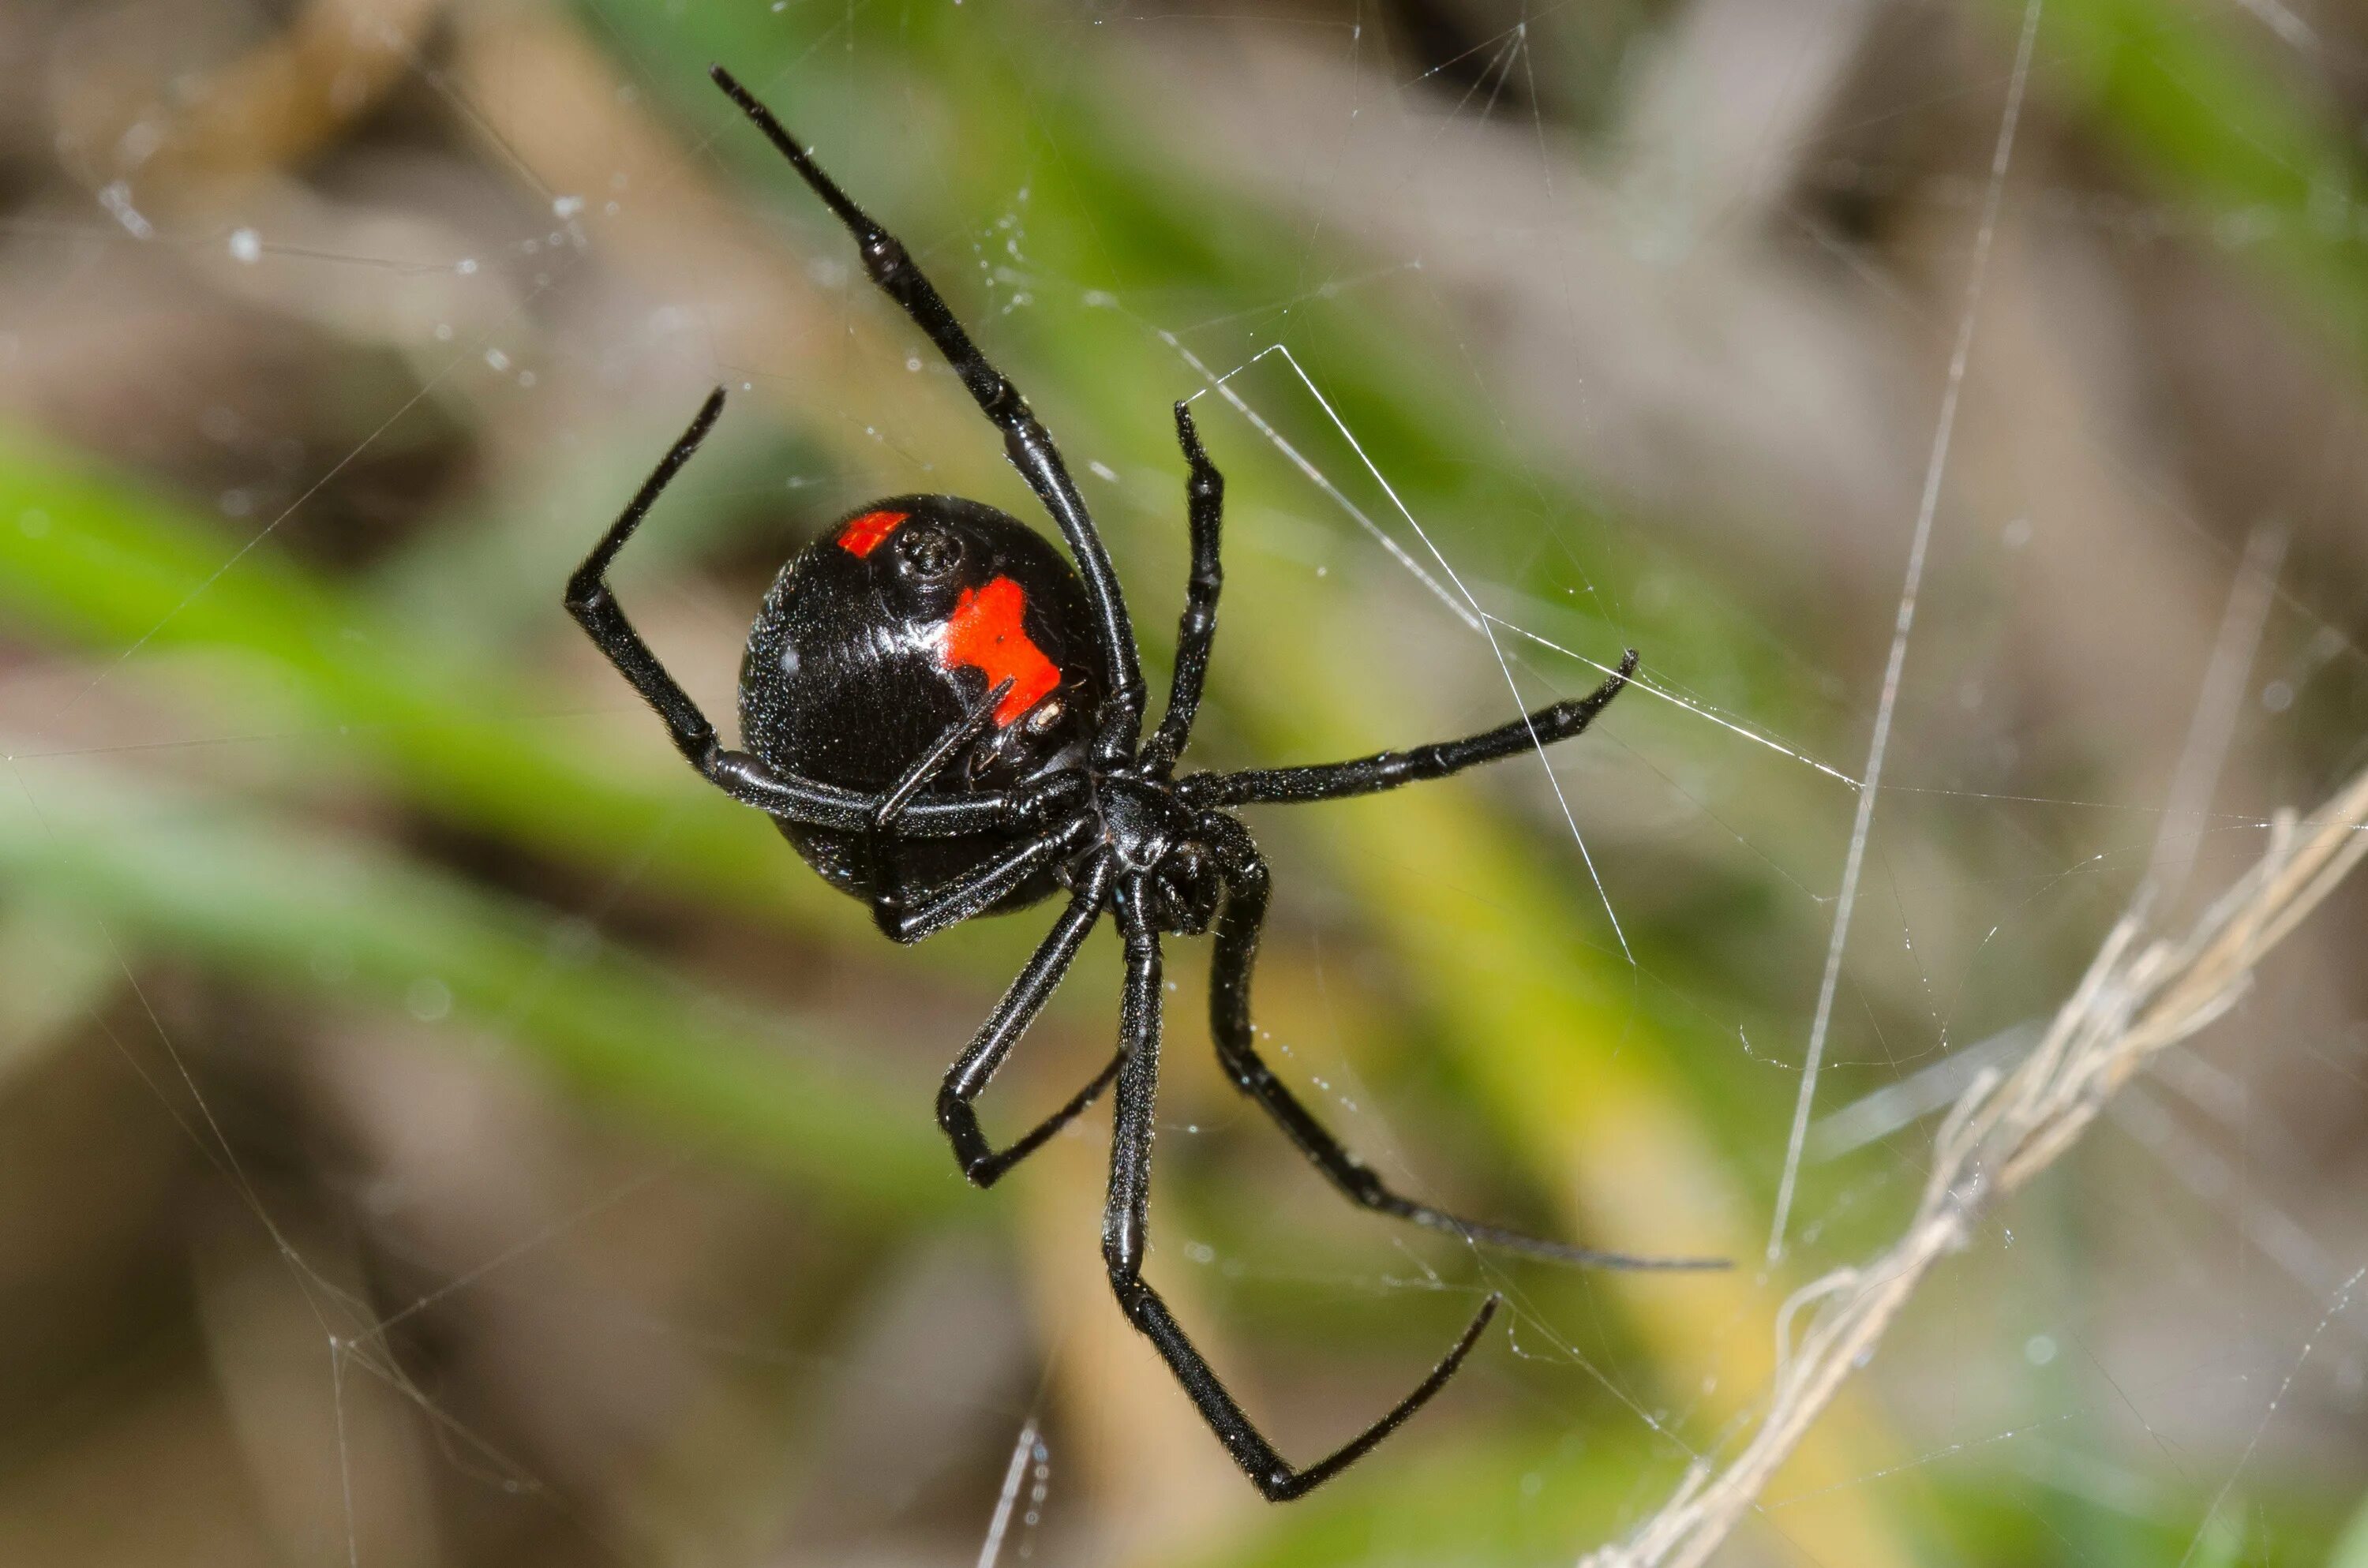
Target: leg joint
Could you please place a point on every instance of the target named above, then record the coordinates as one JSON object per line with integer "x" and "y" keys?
{"x": 1362, "y": 1184}
{"x": 884, "y": 257}
{"x": 1126, "y": 1268}
{"x": 1280, "y": 1484}
{"x": 1247, "y": 1072}
{"x": 895, "y": 923}
{"x": 1021, "y": 433}
{"x": 979, "y": 1163}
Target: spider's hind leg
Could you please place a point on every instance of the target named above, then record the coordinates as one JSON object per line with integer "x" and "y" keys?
{"x": 968, "y": 1077}
{"x": 952, "y": 902}
{"x": 1238, "y": 927}
{"x": 1126, "y": 1236}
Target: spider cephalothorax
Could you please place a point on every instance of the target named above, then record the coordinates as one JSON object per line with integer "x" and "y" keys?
{"x": 946, "y": 719}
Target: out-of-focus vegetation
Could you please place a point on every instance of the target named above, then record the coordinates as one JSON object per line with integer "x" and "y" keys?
{"x": 434, "y": 1128}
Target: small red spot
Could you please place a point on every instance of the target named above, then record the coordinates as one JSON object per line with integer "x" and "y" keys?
{"x": 862, "y": 535}
{"x": 986, "y": 633}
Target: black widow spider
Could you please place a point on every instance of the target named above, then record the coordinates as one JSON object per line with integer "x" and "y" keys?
{"x": 929, "y": 637}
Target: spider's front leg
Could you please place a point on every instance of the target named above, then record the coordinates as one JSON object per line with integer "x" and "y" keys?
{"x": 1126, "y": 1236}
{"x": 1025, "y": 440}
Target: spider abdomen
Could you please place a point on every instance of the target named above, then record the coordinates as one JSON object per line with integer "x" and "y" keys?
{"x": 882, "y": 635}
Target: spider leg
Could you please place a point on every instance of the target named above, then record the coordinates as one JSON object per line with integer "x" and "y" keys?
{"x": 1027, "y": 442}
{"x": 952, "y": 902}
{"x": 596, "y": 608}
{"x": 1126, "y": 1234}
{"x": 737, "y": 774}
{"x": 1197, "y": 630}
{"x": 970, "y": 1074}
{"x": 936, "y": 759}
{"x": 878, "y": 845}
{"x": 1238, "y": 927}
{"x": 1388, "y": 770}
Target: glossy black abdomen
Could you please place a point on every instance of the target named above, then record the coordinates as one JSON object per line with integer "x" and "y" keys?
{"x": 882, "y": 635}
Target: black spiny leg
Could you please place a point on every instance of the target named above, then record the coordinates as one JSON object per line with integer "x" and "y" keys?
{"x": 1196, "y": 632}
{"x": 596, "y": 608}
{"x": 1238, "y": 927}
{"x": 1026, "y": 440}
{"x": 1388, "y": 770}
{"x": 939, "y": 757}
{"x": 878, "y": 843}
{"x": 951, "y": 902}
{"x": 737, "y": 774}
{"x": 1125, "y": 1235}
{"x": 980, "y": 1161}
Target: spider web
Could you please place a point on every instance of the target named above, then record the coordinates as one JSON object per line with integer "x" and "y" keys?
{"x": 439, "y": 1132}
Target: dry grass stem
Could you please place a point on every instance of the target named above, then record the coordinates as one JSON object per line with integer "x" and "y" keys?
{"x": 2137, "y": 999}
